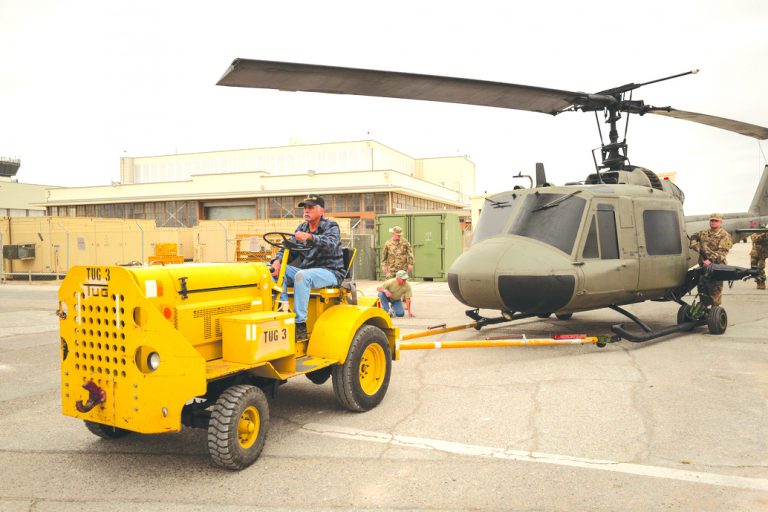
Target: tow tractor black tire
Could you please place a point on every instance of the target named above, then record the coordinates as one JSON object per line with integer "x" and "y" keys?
{"x": 563, "y": 316}
{"x": 106, "y": 431}
{"x": 320, "y": 376}
{"x": 238, "y": 427}
{"x": 717, "y": 320}
{"x": 362, "y": 381}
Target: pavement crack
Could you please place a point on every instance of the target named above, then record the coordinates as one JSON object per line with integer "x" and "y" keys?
{"x": 645, "y": 436}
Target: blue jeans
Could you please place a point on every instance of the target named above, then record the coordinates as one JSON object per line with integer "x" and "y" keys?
{"x": 303, "y": 281}
{"x": 397, "y": 305}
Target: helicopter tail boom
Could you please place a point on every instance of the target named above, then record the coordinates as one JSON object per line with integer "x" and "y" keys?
{"x": 759, "y": 204}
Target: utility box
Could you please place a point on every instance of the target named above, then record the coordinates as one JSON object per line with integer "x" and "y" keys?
{"x": 436, "y": 240}
{"x": 259, "y": 336}
{"x": 165, "y": 253}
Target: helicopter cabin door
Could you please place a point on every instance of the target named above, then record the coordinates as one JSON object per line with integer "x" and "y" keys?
{"x": 608, "y": 256}
{"x": 663, "y": 255}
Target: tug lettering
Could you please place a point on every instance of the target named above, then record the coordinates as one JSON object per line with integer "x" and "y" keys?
{"x": 274, "y": 335}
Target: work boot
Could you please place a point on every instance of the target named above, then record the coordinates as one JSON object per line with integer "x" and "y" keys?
{"x": 761, "y": 285}
{"x": 301, "y": 331}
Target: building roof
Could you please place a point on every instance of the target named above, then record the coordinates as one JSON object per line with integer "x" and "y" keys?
{"x": 22, "y": 196}
{"x": 257, "y": 184}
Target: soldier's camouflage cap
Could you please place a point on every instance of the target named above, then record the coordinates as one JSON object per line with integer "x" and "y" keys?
{"x": 396, "y": 230}
{"x": 716, "y": 216}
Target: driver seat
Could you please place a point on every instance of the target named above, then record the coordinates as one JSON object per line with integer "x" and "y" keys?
{"x": 348, "y": 289}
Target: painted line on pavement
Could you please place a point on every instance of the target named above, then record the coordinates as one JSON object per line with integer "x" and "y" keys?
{"x": 545, "y": 458}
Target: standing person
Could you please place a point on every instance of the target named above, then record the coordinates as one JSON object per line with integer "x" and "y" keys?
{"x": 394, "y": 292}
{"x": 397, "y": 254}
{"x": 757, "y": 256}
{"x": 321, "y": 266}
{"x": 712, "y": 245}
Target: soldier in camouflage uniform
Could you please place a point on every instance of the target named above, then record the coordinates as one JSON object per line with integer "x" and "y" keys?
{"x": 397, "y": 254}
{"x": 712, "y": 245}
{"x": 757, "y": 256}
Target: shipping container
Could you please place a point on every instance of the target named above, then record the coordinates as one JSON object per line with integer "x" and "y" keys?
{"x": 436, "y": 239}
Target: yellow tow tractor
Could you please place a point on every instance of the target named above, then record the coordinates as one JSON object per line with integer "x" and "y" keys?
{"x": 149, "y": 349}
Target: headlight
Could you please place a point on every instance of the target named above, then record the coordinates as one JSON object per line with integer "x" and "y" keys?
{"x": 153, "y": 361}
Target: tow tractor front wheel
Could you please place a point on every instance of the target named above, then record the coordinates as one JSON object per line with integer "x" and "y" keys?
{"x": 238, "y": 427}
{"x": 361, "y": 382}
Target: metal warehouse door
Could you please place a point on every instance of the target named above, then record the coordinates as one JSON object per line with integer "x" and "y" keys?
{"x": 427, "y": 232}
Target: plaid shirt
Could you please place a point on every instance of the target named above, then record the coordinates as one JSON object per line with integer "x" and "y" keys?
{"x": 325, "y": 249}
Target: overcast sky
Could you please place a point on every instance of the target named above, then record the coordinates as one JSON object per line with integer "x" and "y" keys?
{"x": 83, "y": 83}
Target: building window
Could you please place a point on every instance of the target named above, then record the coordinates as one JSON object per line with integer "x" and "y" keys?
{"x": 368, "y": 203}
{"x": 382, "y": 202}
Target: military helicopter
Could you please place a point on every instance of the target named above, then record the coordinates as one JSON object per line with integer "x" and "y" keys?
{"x": 619, "y": 237}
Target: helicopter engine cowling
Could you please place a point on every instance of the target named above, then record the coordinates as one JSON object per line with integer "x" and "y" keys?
{"x": 513, "y": 273}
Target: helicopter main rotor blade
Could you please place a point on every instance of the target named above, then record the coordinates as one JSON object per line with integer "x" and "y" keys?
{"x": 289, "y": 76}
{"x": 750, "y": 130}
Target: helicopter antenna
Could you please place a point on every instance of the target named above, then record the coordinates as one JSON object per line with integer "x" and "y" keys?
{"x": 521, "y": 175}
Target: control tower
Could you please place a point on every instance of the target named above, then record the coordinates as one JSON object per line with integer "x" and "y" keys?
{"x": 9, "y": 166}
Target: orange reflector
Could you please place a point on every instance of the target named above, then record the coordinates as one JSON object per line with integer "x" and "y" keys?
{"x": 167, "y": 312}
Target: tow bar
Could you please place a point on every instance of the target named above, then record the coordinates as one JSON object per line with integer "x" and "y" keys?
{"x": 404, "y": 342}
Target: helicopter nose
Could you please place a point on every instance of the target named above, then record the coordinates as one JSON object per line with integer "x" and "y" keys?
{"x": 472, "y": 276}
{"x": 513, "y": 274}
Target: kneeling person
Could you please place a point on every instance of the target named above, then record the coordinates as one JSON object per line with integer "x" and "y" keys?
{"x": 394, "y": 292}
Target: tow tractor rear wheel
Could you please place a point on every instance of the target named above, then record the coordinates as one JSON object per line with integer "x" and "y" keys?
{"x": 238, "y": 427}
{"x": 717, "y": 320}
{"x": 105, "y": 431}
{"x": 361, "y": 382}
{"x": 563, "y": 316}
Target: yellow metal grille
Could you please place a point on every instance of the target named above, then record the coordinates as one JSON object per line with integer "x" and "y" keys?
{"x": 212, "y": 326}
{"x": 98, "y": 345}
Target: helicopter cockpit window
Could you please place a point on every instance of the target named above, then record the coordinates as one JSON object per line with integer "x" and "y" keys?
{"x": 550, "y": 218}
{"x": 662, "y": 232}
{"x": 494, "y": 216}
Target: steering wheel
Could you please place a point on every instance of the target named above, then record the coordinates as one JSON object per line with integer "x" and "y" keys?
{"x": 285, "y": 242}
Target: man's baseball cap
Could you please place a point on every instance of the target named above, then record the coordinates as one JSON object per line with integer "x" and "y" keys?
{"x": 396, "y": 230}
{"x": 402, "y": 274}
{"x": 716, "y": 216}
{"x": 312, "y": 200}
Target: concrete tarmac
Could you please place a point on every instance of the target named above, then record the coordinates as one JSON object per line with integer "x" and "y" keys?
{"x": 675, "y": 424}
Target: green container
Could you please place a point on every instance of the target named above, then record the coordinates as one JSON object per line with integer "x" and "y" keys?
{"x": 435, "y": 237}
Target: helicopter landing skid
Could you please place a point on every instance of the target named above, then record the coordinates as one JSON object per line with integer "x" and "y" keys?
{"x": 482, "y": 321}
{"x": 650, "y": 334}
